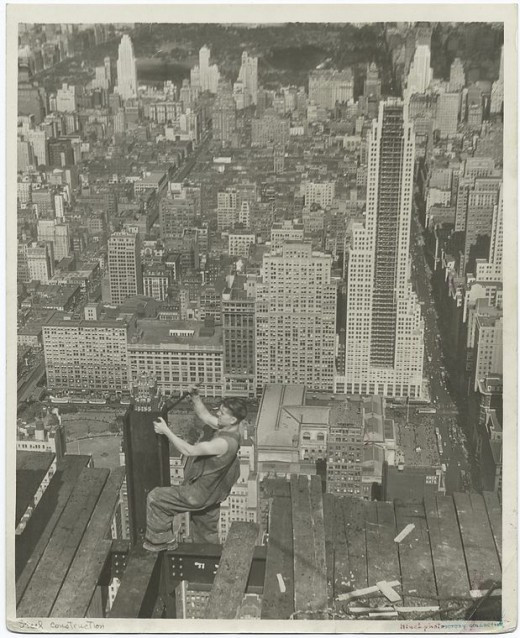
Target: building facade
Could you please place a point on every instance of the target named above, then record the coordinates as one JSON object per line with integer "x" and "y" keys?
{"x": 124, "y": 267}
{"x": 295, "y": 319}
{"x": 126, "y": 69}
{"x": 178, "y": 354}
{"x": 384, "y": 328}
{"x": 238, "y": 332}
{"x": 86, "y": 354}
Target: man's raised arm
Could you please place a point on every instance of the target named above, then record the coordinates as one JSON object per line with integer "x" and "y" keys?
{"x": 201, "y": 410}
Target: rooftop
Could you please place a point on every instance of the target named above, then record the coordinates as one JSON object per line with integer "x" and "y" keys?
{"x": 156, "y": 332}
{"x": 416, "y": 444}
{"x": 276, "y": 426}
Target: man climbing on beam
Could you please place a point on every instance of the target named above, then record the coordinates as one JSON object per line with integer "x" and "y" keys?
{"x": 210, "y": 473}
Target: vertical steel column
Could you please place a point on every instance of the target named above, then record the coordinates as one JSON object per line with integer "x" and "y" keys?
{"x": 147, "y": 455}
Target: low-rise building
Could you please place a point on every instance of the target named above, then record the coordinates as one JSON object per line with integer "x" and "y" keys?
{"x": 178, "y": 354}
{"x": 86, "y": 354}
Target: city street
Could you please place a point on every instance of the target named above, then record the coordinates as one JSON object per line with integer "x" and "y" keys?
{"x": 454, "y": 453}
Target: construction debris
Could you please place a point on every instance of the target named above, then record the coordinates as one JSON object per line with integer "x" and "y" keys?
{"x": 404, "y": 533}
{"x": 358, "y": 593}
{"x": 417, "y": 610}
{"x": 281, "y": 584}
{"x": 386, "y": 614}
{"x": 387, "y": 591}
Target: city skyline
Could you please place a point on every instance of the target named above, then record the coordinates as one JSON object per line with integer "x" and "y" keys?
{"x": 310, "y": 223}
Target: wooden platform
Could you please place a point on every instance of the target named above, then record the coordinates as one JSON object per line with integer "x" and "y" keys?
{"x": 448, "y": 562}
{"x": 323, "y": 552}
{"x": 63, "y": 550}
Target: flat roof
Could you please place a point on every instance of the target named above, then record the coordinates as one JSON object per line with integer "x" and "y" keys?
{"x": 58, "y": 320}
{"x": 410, "y": 483}
{"x": 416, "y": 444}
{"x": 157, "y": 332}
{"x": 277, "y": 427}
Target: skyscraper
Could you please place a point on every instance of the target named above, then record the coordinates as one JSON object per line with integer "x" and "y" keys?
{"x": 420, "y": 74}
{"x": 491, "y": 270}
{"x": 238, "y": 332}
{"x": 372, "y": 84}
{"x": 126, "y": 69}
{"x": 457, "y": 76}
{"x": 448, "y": 108}
{"x": 296, "y": 318}
{"x": 384, "y": 329}
{"x": 205, "y": 76}
{"x": 248, "y": 78}
{"x": 124, "y": 267}
{"x": 224, "y": 114}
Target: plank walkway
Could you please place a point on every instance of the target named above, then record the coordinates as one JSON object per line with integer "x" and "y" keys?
{"x": 450, "y": 557}
{"x": 233, "y": 570}
{"x": 323, "y": 553}
{"x": 65, "y": 546}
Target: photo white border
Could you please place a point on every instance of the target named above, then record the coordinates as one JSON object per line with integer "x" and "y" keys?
{"x": 289, "y": 12}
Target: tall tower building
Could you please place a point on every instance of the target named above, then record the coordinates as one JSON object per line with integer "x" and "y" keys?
{"x": 296, "y": 319}
{"x": 457, "y": 76}
{"x": 248, "y": 77}
{"x": 204, "y": 55}
{"x": 124, "y": 267}
{"x": 238, "y": 333}
{"x": 420, "y": 74}
{"x": 384, "y": 329}
{"x": 126, "y": 69}
{"x": 224, "y": 114}
{"x": 205, "y": 76}
{"x": 491, "y": 270}
{"x": 372, "y": 84}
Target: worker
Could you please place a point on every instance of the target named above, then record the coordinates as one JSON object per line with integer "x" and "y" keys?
{"x": 211, "y": 471}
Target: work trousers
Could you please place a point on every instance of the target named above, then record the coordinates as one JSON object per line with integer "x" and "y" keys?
{"x": 164, "y": 505}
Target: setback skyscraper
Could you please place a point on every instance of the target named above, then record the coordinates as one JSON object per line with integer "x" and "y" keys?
{"x": 126, "y": 69}
{"x": 384, "y": 331}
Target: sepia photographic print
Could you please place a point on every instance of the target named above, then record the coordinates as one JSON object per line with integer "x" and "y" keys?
{"x": 262, "y": 322}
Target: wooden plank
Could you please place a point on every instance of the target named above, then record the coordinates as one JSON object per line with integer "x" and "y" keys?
{"x": 48, "y": 577}
{"x": 494, "y": 512}
{"x": 231, "y": 578}
{"x": 328, "y": 521}
{"x": 31, "y": 544}
{"x": 318, "y": 526}
{"x": 306, "y": 597}
{"x": 77, "y": 593}
{"x": 96, "y": 609}
{"x": 446, "y": 546}
{"x": 417, "y": 575}
{"x": 275, "y": 603}
{"x": 82, "y": 578}
{"x": 477, "y": 540}
{"x": 31, "y": 469}
{"x": 354, "y": 517}
{"x": 141, "y": 569}
{"x": 382, "y": 554}
{"x": 340, "y": 551}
